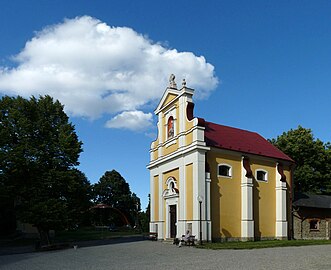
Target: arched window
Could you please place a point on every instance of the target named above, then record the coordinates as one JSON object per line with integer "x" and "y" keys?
{"x": 170, "y": 127}
{"x": 224, "y": 170}
{"x": 261, "y": 175}
{"x": 171, "y": 187}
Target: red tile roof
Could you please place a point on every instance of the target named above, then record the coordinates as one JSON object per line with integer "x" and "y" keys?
{"x": 241, "y": 140}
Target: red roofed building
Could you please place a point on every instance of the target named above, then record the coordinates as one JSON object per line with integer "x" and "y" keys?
{"x": 218, "y": 182}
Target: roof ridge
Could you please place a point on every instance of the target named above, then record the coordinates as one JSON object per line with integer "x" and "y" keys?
{"x": 234, "y": 128}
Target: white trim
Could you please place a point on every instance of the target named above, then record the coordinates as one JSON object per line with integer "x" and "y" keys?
{"x": 247, "y": 218}
{"x": 208, "y": 214}
{"x": 171, "y": 141}
{"x": 170, "y": 192}
{"x": 178, "y": 136}
{"x": 265, "y": 180}
{"x": 161, "y": 207}
{"x": 281, "y": 207}
{"x": 160, "y": 131}
{"x": 230, "y": 170}
{"x": 180, "y": 152}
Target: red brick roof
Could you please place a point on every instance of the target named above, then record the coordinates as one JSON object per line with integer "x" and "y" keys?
{"x": 241, "y": 140}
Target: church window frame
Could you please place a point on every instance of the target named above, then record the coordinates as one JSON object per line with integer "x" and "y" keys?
{"x": 314, "y": 225}
{"x": 171, "y": 189}
{"x": 224, "y": 170}
{"x": 261, "y": 175}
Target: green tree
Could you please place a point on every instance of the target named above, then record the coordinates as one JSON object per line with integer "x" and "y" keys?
{"x": 145, "y": 216}
{"x": 113, "y": 190}
{"x": 312, "y": 159}
{"x": 78, "y": 198}
{"x": 38, "y": 152}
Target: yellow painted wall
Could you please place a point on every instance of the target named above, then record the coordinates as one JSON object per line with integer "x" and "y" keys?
{"x": 189, "y": 191}
{"x": 156, "y": 197}
{"x": 189, "y": 124}
{"x": 264, "y": 200}
{"x": 189, "y": 138}
{"x": 154, "y": 154}
{"x": 225, "y": 196}
{"x": 155, "y": 143}
{"x": 170, "y": 149}
{"x": 168, "y": 99}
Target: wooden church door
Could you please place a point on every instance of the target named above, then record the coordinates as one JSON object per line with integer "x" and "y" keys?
{"x": 173, "y": 221}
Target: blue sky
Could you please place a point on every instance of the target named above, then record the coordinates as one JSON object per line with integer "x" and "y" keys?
{"x": 264, "y": 66}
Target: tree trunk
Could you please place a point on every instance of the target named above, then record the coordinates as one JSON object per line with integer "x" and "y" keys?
{"x": 44, "y": 236}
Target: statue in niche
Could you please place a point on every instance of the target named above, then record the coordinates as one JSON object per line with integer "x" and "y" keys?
{"x": 170, "y": 127}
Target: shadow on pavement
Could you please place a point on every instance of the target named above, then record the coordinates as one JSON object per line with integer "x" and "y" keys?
{"x": 11, "y": 250}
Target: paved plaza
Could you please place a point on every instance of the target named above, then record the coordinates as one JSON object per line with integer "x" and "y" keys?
{"x": 158, "y": 255}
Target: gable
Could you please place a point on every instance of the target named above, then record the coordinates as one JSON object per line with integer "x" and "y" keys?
{"x": 168, "y": 97}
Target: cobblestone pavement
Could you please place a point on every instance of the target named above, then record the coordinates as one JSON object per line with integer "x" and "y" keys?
{"x": 157, "y": 255}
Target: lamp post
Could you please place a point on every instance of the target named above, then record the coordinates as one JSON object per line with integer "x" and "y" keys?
{"x": 200, "y": 199}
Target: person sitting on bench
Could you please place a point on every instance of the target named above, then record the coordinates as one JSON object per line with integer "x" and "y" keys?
{"x": 185, "y": 238}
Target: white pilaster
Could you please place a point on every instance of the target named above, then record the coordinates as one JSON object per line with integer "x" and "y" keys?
{"x": 160, "y": 135}
{"x": 181, "y": 214}
{"x": 161, "y": 207}
{"x": 247, "y": 219}
{"x": 208, "y": 214}
{"x": 199, "y": 189}
{"x": 281, "y": 207}
{"x": 151, "y": 181}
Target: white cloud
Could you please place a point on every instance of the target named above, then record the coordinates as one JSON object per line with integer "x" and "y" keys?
{"x": 95, "y": 69}
{"x": 132, "y": 120}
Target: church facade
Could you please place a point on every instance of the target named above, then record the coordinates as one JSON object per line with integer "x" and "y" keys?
{"x": 216, "y": 181}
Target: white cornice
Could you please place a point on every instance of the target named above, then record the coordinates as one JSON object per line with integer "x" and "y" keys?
{"x": 195, "y": 146}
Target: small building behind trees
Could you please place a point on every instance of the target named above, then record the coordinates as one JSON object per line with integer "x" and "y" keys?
{"x": 312, "y": 216}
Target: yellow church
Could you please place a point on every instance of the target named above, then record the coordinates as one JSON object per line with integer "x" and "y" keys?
{"x": 220, "y": 183}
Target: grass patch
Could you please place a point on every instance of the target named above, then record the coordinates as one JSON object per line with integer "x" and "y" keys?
{"x": 264, "y": 244}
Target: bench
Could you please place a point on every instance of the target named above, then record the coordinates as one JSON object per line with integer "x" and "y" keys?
{"x": 190, "y": 241}
{"x": 152, "y": 236}
{"x": 101, "y": 228}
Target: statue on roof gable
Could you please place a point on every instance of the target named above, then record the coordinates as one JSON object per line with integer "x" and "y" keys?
{"x": 172, "y": 83}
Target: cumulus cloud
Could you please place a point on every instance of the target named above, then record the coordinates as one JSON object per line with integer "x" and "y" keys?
{"x": 132, "y": 120}
{"x": 96, "y": 69}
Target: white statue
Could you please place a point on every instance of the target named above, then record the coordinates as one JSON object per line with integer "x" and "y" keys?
{"x": 172, "y": 83}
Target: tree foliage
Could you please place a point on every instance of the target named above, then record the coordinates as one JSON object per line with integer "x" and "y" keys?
{"x": 113, "y": 190}
{"x": 145, "y": 216}
{"x": 312, "y": 160}
{"x": 39, "y": 150}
